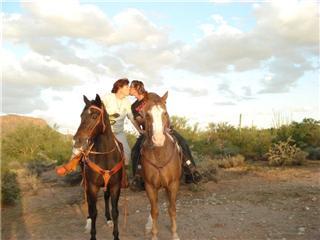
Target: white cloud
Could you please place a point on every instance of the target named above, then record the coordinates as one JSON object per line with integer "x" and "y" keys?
{"x": 225, "y": 103}
{"x": 129, "y": 40}
{"x": 193, "y": 92}
{"x": 221, "y": 47}
{"x": 69, "y": 18}
{"x": 25, "y": 78}
{"x": 146, "y": 63}
{"x": 133, "y": 26}
{"x": 285, "y": 32}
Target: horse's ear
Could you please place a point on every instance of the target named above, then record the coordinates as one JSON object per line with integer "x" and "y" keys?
{"x": 98, "y": 100}
{"x": 86, "y": 100}
{"x": 164, "y": 97}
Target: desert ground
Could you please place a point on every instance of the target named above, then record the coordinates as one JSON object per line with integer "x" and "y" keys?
{"x": 249, "y": 202}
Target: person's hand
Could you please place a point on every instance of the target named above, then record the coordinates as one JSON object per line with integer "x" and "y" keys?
{"x": 141, "y": 131}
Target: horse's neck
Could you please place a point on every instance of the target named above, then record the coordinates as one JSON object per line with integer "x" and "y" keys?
{"x": 164, "y": 152}
{"x": 104, "y": 142}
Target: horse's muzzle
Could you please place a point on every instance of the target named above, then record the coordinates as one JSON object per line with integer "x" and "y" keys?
{"x": 158, "y": 139}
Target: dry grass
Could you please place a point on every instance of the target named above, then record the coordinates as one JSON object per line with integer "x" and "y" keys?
{"x": 33, "y": 182}
{"x": 208, "y": 168}
{"x": 231, "y": 161}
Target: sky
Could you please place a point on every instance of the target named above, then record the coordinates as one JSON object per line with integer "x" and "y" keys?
{"x": 217, "y": 59}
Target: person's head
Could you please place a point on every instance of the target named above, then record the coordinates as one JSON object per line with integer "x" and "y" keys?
{"x": 122, "y": 86}
{"x": 137, "y": 88}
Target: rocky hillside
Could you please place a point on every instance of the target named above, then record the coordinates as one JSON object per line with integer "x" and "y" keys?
{"x": 11, "y": 122}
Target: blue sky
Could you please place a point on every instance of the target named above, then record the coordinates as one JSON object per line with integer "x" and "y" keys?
{"x": 216, "y": 59}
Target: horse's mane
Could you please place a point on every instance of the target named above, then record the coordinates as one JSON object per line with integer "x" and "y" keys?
{"x": 153, "y": 97}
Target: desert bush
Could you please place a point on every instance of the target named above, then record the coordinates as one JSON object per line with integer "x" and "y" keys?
{"x": 27, "y": 141}
{"x": 10, "y": 191}
{"x": 285, "y": 153}
{"x": 306, "y": 133}
{"x": 40, "y": 164}
{"x": 313, "y": 153}
{"x": 223, "y": 139}
{"x": 253, "y": 143}
{"x": 207, "y": 166}
{"x": 231, "y": 161}
{"x": 33, "y": 182}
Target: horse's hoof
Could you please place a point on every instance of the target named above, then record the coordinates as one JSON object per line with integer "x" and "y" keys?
{"x": 175, "y": 237}
{"x": 110, "y": 223}
{"x": 88, "y": 226}
{"x": 148, "y": 225}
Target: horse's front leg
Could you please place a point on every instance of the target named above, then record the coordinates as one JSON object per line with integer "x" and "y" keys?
{"x": 172, "y": 191}
{"x": 115, "y": 194}
{"x": 107, "y": 207}
{"x": 153, "y": 198}
{"x": 92, "y": 192}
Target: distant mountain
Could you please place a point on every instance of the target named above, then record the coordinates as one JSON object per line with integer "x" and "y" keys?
{"x": 10, "y": 122}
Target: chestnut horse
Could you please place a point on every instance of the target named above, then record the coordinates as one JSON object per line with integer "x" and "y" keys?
{"x": 161, "y": 160}
{"x": 101, "y": 161}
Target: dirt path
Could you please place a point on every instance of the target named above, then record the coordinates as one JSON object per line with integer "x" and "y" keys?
{"x": 246, "y": 203}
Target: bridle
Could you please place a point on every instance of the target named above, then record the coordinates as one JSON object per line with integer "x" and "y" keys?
{"x": 149, "y": 130}
{"x": 100, "y": 119}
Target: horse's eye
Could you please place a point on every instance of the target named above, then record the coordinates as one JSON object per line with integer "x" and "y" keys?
{"x": 94, "y": 116}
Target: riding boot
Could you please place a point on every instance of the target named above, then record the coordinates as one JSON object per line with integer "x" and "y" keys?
{"x": 191, "y": 173}
{"x": 137, "y": 183}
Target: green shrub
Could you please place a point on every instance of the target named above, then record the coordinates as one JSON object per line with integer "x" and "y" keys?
{"x": 285, "y": 153}
{"x": 313, "y": 153}
{"x": 132, "y": 138}
{"x": 253, "y": 143}
{"x": 27, "y": 141}
{"x": 10, "y": 191}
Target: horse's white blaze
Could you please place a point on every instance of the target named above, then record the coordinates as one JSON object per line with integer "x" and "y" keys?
{"x": 88, "y": 226}
{"x": 149, "y": 224}
{"x": 157, "y": 126}
{"x": 76, "y": 151}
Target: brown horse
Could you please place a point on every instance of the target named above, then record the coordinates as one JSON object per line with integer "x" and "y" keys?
{"x": 101, "y": 161}
{"x": 161, "y": 160}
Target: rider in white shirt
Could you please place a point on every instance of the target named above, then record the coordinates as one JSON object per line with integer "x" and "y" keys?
{"x": 117, "y": 102}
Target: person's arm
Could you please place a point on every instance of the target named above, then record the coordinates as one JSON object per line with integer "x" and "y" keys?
{"x": 134, "y": 123}
{"x": 139, "y": 120}
{"x": 107, "y": 101}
